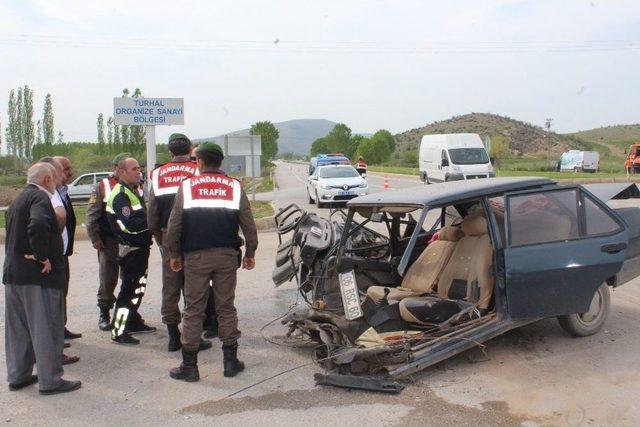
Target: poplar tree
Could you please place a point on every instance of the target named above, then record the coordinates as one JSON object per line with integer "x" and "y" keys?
{"x": 47, "y": 122}
{"x": 100, "y": 133}
{"x": 11, "y": 125}
{"x": 27, "y": 124}
{"x": 19, "y": 124}
{"x": 60, "y": 138}
{"x": 110, "y": 132}
{"x": 39, "y": 133}
{"x": 116, "y": 138}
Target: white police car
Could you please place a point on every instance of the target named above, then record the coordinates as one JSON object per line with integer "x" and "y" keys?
{"x": 335, "y": 184}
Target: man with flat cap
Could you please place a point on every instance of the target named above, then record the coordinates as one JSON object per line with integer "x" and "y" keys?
{"x": 105, "y": 242}
{"x": 165, "y": 182}
{"x": 202, "y": 237}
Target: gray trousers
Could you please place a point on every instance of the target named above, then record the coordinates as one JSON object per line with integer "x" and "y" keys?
{"x": 34, "y": 333}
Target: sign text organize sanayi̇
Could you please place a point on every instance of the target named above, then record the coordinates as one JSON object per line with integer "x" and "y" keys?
{"x": 148, "y": 111}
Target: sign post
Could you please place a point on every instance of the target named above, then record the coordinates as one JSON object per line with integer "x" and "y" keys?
{"x": 148, "y": 112}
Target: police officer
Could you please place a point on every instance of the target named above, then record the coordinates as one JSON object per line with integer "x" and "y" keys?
{"x": 361, "y": 166}
{"x": 105, "y": 242}
{"x": 128, "y": 220}
{"x": 165, "y": 181}
{"x": 203, "y": 240}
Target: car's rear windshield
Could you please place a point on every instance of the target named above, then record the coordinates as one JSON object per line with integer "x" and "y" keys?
{"x": 468, "y": 156}
{"x": 337, "y": 172}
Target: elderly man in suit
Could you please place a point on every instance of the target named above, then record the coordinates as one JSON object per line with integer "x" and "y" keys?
{"x": 34, "y": 278}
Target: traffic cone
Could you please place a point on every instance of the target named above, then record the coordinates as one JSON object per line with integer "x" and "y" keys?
{"x": 386, "y": 182}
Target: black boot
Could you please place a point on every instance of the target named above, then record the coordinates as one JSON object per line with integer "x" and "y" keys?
{"x": 230, "y": 360}
{"x": 104, "y": 322}
{"x": 174, "y": 338}
{"x": 188, "y": 369}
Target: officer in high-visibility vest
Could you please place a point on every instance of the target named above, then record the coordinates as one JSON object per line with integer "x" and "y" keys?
{"x": 128, "y": 220}
{"x": 105, "y": 242}
{"x": 203, "y": 240}
{"x": 165, "y": 181}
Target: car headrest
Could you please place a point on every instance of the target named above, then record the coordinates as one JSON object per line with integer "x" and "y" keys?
{"x": 474, "y": 226}
{"x": 450, "y": 234}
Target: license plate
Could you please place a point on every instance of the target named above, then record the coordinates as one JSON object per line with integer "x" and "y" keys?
{"x": 350, "y": 297}
{"x": 346, "y": 193}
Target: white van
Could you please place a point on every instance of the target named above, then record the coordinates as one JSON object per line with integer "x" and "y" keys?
{"x": 453, "y": 156}
{"x": 579, "y": 161}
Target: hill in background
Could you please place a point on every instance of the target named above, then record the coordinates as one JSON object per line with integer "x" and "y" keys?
{"x": 524, "y": 138}
{"x": 296, "y": 136}
{"x": 618, "y": 137}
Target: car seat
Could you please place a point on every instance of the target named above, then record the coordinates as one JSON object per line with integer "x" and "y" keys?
{"x": 468, "y": 276}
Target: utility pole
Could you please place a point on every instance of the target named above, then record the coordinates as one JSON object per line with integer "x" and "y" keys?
{"x": 547, "y": 125}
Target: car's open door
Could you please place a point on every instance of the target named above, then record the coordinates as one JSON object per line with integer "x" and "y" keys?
{"x": 562, "y": 244}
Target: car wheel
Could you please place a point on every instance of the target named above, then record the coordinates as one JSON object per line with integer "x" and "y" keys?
{"x": 311, "y": 201}
{"x": 590, "y": 322}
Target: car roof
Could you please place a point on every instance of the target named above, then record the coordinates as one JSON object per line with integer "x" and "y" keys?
{"x": 451, "y": 191}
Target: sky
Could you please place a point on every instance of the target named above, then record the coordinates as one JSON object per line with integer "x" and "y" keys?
{"x": 371, "y": 64}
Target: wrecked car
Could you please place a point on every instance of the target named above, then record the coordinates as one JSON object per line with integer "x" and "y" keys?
{"x": 404, "y": 279}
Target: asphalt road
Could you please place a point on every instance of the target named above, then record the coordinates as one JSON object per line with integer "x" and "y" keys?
{"x": 536, "y": 375}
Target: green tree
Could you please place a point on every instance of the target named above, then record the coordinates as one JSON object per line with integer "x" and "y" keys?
{"x": 27, "y": 124}
{"x": 385, "y": 141}
{"x": 20, "y": 124}
{"x": 499, "y": 148}
{"x": 339, "y": 140}
{"x": 100, "y": 125}
{"x": 117, "y": 145}
{"x": 269, "y": 139}
{"x": 110, "y": 133}
{"x": 319, "y": 146}
{"x": 60, "y": 139}
{"x": 47, "y": 121}
{"x": 39, "y": 133}
{"x": 11, "y": 125}
{"x": 377, "y": 149}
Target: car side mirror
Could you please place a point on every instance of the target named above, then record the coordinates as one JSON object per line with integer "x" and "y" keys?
{"x": 313, "y": 178}
{"x": 445, "y": 162}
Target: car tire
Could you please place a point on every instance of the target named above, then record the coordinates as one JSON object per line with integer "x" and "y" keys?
{"x": 591, "y": 322}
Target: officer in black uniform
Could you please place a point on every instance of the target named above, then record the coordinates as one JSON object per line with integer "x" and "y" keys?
{"x": 128, "y": 220}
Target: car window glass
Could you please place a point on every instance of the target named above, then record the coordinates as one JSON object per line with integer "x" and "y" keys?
{"x": 101, "y": 177}
{"x": 468, "y": 156}
{"x": 543, "y": 217}
{"x": 497, "y": 205}
{"x": 85, "y": 180}
{"x": 338, "y": 172}
{"x": 597, "y": 219}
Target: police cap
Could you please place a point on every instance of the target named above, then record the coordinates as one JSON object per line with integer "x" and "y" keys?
{"x": 210, "y": 147}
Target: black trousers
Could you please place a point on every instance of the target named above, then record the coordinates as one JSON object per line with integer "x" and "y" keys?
{"x": 134, "y": 263}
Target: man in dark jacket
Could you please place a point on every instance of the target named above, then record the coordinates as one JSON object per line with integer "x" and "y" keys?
{"x": 34, "y": 279}
{"x": 105, "y": 242}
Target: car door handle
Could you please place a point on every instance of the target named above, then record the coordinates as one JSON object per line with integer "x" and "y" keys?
{"x": 613, "y": 248}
